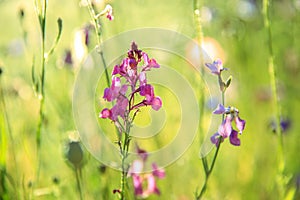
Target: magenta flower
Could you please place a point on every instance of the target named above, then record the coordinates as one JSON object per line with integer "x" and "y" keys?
{"x": 115, "y": 90}
{"x": 149, "y": 63}
{"x": 225, "y": 129}
{"x": 144, "y": 184}
{"x": 130, "y": 73}
{"x": 157, "y": 172}
{"x": 137, "y": 184}
{"x": 109, "y": 14}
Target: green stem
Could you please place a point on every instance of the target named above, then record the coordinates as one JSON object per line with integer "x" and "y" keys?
{"x": 123, "y": 179}
{"x": 199, "y": 37}
{"x": 42, "y": 19}
{"x": 124, "y": 154}
{"x": 209, "y": 171}
{"x": 201, "y": 87}
{"x": 99, "y": 39}
{"x": 78, "y": 182}
{"x": 272, "y": 73}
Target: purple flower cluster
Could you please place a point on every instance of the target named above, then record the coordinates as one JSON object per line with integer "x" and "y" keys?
{"x": 144, "y": 184}
{"x": 225, "y": 129}
{"x": 131, "y": 73}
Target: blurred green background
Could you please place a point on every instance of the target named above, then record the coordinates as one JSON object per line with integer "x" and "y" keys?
{"x": 245, "y": 172}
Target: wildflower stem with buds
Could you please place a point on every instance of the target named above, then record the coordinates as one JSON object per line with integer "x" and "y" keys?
{"x": 229, "y": 114}
{"x": 128, "y": 92}
{"x": 96, "y": 22}
{"x": 39, "y": 82}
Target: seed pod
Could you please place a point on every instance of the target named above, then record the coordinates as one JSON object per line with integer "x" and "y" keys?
{"x": 75, "y": 154}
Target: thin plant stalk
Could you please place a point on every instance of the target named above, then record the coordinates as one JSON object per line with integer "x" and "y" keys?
{"x": 78, "y": 182}
{"x": 124, "y": 148}
{"x": 99, "y": 39}
{"x": 199, "y": 32}
{"x": 209, "y": 170}
{"x": 123, "y": 145}
{"x": 277, "y": 107}
{"x": 42, "y": 19}
{"x": 41, "y": 11}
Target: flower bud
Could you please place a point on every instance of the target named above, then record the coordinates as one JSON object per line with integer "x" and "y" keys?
{"x": 228, "y": 81}
{"x": 75, "y": 154}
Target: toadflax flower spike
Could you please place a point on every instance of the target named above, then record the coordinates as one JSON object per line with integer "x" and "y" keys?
{"x": 131, "y": 74}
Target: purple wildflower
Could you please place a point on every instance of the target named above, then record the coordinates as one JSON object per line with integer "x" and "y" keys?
{"x": 216, "y": 67}
{"x": 144, "y": 184}
{"x": 225, "y": 129}
{"x": 109, "y": 14}
{"x": 285, "y": 125}
{"x": 68, "y": 57}
{"x": 131, "y": 73}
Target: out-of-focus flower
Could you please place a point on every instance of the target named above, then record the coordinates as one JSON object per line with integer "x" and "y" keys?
{"x": 144, "y": 184}
{"x": 216, "y": 67}
{"x": 79, "y": 46}
{"x": 225, "y": 129}
{"x": 87, "y": 33}
{"x": 130, "y": 73}
{"x": 285, "y": 124}
{"x": 68, "y": 57}
{"x": 108, "y": 12}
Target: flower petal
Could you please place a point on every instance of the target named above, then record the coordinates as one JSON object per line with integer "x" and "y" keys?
{"x": 240, "y": 124}
{"x": 107, "y": 94}
{"x": 142, "y": 78}
{"x": 213, "y": 68}
{"x": 137, "y": 184}
{"x": 152, "y": 188}
{"x": 142, "y": 153}
{"x": 225, "y": 128}
{"x": 105, "y": 113}
{"x": 234, "y": 140}
{"x": 153, "y": 63}
{"x": 109, "y": 14}
{"x": 156, "y": 103}
{"x": 219, "y": 110}
{"x": 215, "y": 139}
{"x": 136, "y": 167}
{"x": 160, "y": 173}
